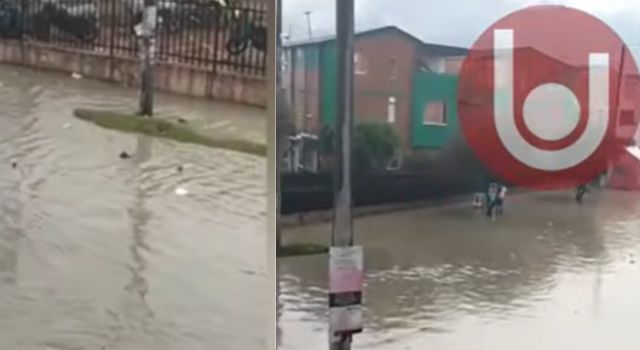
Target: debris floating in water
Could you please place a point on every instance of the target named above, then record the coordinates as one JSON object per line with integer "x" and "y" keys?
{"x": 182, "y": 120}
{"x": 14, "y": 164}
{"x": 124, "y": 155}
{"x": 181, "y": 191}
{"x": 76, "y": 75}
{"x": 180, "y": 168}
{"x": 217, "y": 125}
{"x": 66, "y": 126}
{"x": 162, "y": 128}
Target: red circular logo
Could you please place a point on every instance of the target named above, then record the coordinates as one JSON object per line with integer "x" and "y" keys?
{"x": 548, "y": 97}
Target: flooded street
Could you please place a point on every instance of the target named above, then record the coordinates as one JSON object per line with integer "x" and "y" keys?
{"x": 97, "y": 252}
{"x": 550, "y": 275}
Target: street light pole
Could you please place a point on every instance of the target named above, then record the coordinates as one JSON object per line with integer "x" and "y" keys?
{"x": 147, "y": 34}
{"x": 342, "y": 223}
{"x": 283, "y": 122}
{"x": 305, "y": 117}
{"x": 308, "y": 14}
{"x": 280, "y": 136}
{"x": 342, "y": 230}
{"x": 279, "y": 43}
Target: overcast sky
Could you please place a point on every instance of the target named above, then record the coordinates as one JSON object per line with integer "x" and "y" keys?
{"x": 453, "y": 22}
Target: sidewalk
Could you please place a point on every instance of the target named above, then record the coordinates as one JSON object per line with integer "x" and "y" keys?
{"x": 208, "y": 117}
{"x": 323, "y": 216}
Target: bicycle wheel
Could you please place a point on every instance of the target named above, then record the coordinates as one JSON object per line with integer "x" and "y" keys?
{"x": 237, "y": 46}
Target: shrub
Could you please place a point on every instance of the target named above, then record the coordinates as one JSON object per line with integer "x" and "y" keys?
{"x": 374, "y": 144}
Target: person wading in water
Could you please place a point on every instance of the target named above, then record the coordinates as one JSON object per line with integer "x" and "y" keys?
{"x": 492, "y": 201}
{"x": 580, "y": 192}
{"x": 502, "y": 195}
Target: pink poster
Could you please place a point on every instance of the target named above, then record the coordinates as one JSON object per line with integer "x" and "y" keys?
{"x": 345, "y": 269}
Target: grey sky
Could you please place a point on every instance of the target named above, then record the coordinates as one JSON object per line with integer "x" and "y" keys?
{"x": 454, "y": 22}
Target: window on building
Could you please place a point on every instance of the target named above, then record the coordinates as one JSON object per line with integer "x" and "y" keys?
{"x": 440, "y": 65}
{"x": 391, "y": 110}
{"x": 392, "y": 69}
{"x": 627, "y": 118}
{"x": 620, "y": 171}
{"x": 360, "y": 65}
{"x": 631, "y": 88}
{"x": 435, "y": 113}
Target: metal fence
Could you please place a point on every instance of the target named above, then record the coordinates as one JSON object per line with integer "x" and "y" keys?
{"x": 221, "y": 35}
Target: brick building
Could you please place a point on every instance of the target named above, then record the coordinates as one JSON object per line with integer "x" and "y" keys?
{"x": 398, "y": 79}
{"x": 414, "y": 85}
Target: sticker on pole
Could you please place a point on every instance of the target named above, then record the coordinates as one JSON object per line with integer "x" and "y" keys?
{"x": 548, "y": 97}
{"x": 345, "y": 289}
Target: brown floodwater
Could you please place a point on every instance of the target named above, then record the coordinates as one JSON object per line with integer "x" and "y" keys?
{"x": 97, "y": 252}
{"x": 549, "y": 274}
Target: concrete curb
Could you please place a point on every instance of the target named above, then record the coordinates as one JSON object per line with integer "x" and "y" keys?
{"x": 316, "y": 217}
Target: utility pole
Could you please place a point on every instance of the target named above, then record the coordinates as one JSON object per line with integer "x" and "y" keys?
{"x": 146, "y": 31}
{"x": 273, "y": 15}
{"x": 282, "y": 121}
{"x": 342, "y": 230}
{"x": 279, "y": 44}
{"x": 342, "y": 220}
{"x": 279, "y": 136}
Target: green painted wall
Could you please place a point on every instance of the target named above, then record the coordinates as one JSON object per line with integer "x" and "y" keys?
{"x": 433, "y": 87}
{"x": 311, "y": 58}
{"x": 328, "y": 76}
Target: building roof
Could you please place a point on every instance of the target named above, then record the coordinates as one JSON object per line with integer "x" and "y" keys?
{"x": 433, "y": 49}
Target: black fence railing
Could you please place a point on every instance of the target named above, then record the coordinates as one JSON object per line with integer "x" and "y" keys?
{"x": 306, "y": 192}
{"x": 220, "y": 35}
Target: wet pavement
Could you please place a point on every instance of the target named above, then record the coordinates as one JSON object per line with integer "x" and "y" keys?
{"x": 97, "y": 252}
{"x": 550, "y": 274}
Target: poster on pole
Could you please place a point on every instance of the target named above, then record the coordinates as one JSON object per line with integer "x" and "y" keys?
{"x": 345, "y": 289}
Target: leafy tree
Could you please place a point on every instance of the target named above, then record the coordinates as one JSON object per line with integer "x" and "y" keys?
{"x": 374, "y": 144}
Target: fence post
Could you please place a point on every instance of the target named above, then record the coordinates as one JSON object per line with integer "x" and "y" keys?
{"x": 112, "y": 37}
{"x": 216, "y": 32}
{"x": 23, "y": 28}
{"x": 148, "y": 28}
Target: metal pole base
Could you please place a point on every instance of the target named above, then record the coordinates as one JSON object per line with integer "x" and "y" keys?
{"x": 341, "y": 342}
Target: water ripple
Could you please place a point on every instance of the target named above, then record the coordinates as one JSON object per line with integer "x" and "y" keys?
{"x": 100, "y": 253}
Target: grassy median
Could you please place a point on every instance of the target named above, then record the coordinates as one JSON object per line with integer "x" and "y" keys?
{"x": 167, "y": 129}
{"x": 301, "y": 249}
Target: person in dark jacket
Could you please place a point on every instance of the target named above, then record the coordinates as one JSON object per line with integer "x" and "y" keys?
{"x": 492, "y": 199}
{"x": 580, "y": 192}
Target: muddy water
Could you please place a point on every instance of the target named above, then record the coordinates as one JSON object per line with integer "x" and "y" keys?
{"x": 548, "y": 275}
{"x": 101, "y": 253}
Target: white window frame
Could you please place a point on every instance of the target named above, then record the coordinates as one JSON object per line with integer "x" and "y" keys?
{"x": 359, "y": 57}
{"x": 394, "y": 68}
{"x": 391, "y": 109}
{"x": 444, "y": 114}
{"x": 626, "y": 112}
